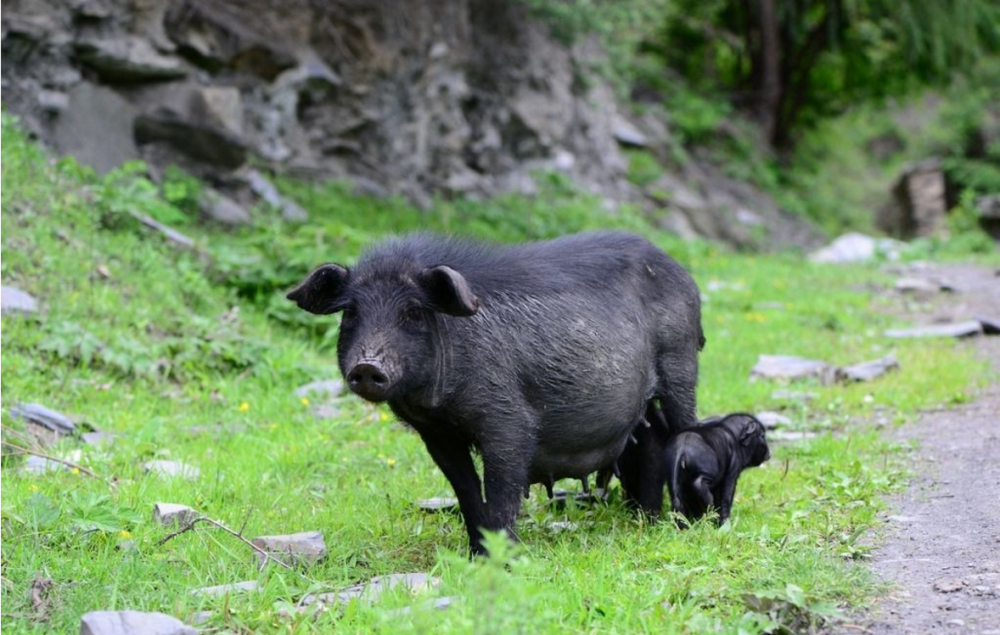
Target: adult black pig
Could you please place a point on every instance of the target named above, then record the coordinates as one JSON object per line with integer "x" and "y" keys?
{"x": 540, "y": 356}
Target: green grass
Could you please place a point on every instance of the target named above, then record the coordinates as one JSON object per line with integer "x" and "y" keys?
{"x": 164, "y": 341}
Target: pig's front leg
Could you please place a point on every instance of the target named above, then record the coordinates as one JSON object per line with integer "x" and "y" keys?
{"x": 454, "y": 457}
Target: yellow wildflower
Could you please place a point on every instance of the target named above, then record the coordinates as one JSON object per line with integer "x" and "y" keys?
{"x": 384, "y": 417}
{"x": 33, "y": 487}
{"x": 124, "y": 533}
{"x": 244, "y": 407}
{"x": 390, "y": 461}
{"x": 75, "y": 470}
{"x": 305, "y": 401}
{"x": 753, "y": 316}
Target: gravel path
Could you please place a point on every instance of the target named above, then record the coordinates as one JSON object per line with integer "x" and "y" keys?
{"x": 942, "y": 550}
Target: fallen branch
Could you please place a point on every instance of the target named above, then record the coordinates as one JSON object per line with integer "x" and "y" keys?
{"x": 239, "y": 536}
{"x": 70, "y": 464}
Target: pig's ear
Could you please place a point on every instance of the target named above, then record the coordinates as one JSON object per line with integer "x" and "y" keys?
{"x": 751, "y": 430}
{"x": 322, "y": 290}
{"x": 449, "y": 292}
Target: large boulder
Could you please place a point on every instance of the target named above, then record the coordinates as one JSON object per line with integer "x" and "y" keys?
{"x": 919, "y": 204}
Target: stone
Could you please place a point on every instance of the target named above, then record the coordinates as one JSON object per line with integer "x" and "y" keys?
{"x": 127, "y": 59}
{"x": 222, "y": 209}
{"x": 919, "y": 204}
{"x": 132, "y": 623}
{"x": 172, "y": 514}
{"x": 227, "y": 589}
{"x": 792, "y": 368}
{"x": 290, "y": 210}
{"x": 52, "y": 101}
{"x": 855, "y": 247}
{"x": 13, "y": 301}
{"x": 793, "y": 395}
{"x": 438, "y": 504}
{"x": 967, "y": 328}
{"x": 45, "y": 417}
{"x": 991, "y": 325}
{"x": 867, "y": 371}
{"x": 790, "y": 435}
{"x": 920, "y": 285}
{"x": 772, "y": 420}
{"x": 96, "y": 128}
{"x": 302, "y": 548}
{"x": 949, "y": 586}
{"x": 988, "y": 208}
{"x": 98, "y": 439}
{"x": 201, "y": 617}
{"x": 321, "y": 388}
{"x": 625, "y": 133}
{"x": 221, "y": 36}
{"x": 438, "y": 604}
{"x": 370, "y": 591}
{"x": 204, "y": 123}
{"x": 40, "y": 465}
{"x": 171, "y": 469}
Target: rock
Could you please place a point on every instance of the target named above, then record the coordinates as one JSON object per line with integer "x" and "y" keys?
{"x": 626, "y": 133}
{"x": 132, "y": 623}
{"x": 324, "y": 411}
{"x": 792, "y": 368}
{"x": 991, "y": 326}
{"x": 373, "y": 589}
{"x": 438, "y": 504}
{"x": 988, "y": 208}
{"x": 13, "y": 301}
{"x": 789, "y": 435}
{"x": 949, "y": 586}
{"x": 954, "y": 329}
{"x": 322, "y": 388}
{"x": 222, "y": 209}
{"x": 52, "y": 101}
{"x": 772, "y": 420}
{"x": 98, "y": 439}
{"x": 96, "y": 128}
{"x": 218, "y": 429}
{"x": 867, "y": 371}
{"x": 919, "y": 204}
{"x": 127, "y": 59}
{"x": 920, "y": 285}
{"x": 40, "y": 465}
{"x": 793, "y": 395}
{"x": 171, "y": 514}
{"x": 226, "y": 36}
{"x": 45, "y": 417}
{"x": 171, "y": 469}
{"x": 855, "y": 247}
{"x": 439, "y": 604}
{"x": 293, "y": 549}
{"x": 201, "y": 617}
{"x": 227, "y": 589}
{"x": 263, "y": 188}
{"x": 204, "y": 123}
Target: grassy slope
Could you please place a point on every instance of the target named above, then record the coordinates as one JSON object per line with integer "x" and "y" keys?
{"x": 167, "y": 343}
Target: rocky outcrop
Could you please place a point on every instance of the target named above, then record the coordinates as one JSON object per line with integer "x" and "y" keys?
{"x": 445, "y": 97}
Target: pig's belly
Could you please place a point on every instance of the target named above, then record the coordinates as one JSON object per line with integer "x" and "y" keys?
{"x": 553, "y": 463}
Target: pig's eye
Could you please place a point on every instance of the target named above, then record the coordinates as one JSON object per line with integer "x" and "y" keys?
{"x": 414, "y": 315}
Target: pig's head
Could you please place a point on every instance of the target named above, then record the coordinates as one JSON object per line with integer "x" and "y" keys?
{"x": 389, "y": 331}
{"x": 754, "y": 442}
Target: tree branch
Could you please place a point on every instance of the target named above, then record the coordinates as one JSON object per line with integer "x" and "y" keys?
{"x": 239, "y": 536}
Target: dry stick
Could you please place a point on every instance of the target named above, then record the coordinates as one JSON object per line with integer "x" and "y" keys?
{"x": 52, "y": 458}
{"x": 205, "y": 519}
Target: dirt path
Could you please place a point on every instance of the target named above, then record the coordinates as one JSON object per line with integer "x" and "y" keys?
{"x": 942, "y": 548}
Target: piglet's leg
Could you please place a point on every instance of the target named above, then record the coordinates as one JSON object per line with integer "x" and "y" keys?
{"x": 703, "y": 489}
{"x": 505, "y": 472}
{"x": 727, "y": 495}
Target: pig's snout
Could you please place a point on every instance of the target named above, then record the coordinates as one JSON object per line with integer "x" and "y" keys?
{"x": 369, "y": 380}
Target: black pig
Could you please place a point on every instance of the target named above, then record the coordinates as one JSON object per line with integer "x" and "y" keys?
{"x": 704, "y": 463}
{"x": 540, "y": 356}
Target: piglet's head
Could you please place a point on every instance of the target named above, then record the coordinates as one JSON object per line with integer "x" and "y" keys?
{"x": 389, "y": 330}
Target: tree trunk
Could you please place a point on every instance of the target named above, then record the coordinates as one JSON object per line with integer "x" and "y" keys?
{"x": 767, "y": 59}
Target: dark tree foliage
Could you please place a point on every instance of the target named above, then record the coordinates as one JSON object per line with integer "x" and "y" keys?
{"x": 790, "y": 62}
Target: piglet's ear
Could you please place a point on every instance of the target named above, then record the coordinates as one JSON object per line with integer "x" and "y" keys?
{"x": 322, "y": 290}
{"x": 751, "y": 430}
{"x": 449, "y": 292}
